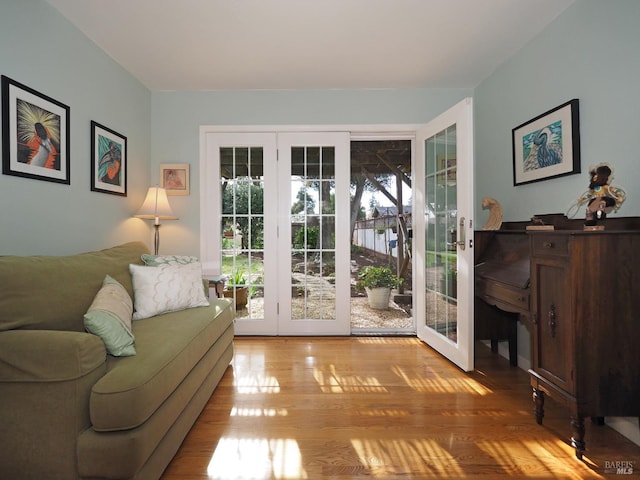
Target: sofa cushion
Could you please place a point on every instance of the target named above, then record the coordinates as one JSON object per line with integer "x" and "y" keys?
{"x": 168, "y": 346}
{"x": 109, "y": 317}
{"x": 54, "y": 293}
{"x": 166, "y": 288}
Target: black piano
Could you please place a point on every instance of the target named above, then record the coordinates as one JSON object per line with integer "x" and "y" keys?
{"x": 502, "y": 273}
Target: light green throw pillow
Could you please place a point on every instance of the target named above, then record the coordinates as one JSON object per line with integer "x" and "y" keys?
{"x": 109, "y": 317}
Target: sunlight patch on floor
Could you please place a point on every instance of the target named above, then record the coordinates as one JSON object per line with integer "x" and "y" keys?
{"x": 436, "y": 383}
{"x": 258, "y": 412}
{"x": 388, "y": 341}
{"x": 383, "y": 412}
{"x": 331, "y": 381}
{"x": 414, "y": 457}
{"x": 257, "y": 383}
{"x": 250, "y": 377}
{"x": 548, "y": 455}
{"x": 256, "y": 458}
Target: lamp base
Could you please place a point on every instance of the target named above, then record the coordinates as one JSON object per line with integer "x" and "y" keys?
{"x": 156, "y": 240}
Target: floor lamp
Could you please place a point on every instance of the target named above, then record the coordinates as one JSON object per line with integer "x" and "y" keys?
{"x": 156, "y": 207}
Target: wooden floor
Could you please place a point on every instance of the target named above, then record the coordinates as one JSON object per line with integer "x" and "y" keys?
{"x": 384, "y": 408}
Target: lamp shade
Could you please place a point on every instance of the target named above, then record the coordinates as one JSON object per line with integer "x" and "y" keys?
{"x": 156, "y": 206}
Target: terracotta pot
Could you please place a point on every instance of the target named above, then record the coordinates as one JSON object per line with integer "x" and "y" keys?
{"x": 241, "y": 295}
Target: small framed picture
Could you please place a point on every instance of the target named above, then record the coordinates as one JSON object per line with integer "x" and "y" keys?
{"x": 447, "y": 167}
{"x": 174, "y": 178}
{"x": 108, "y": 161}
{"x": 35, "y": 134}
{"x": 547, "y": 146}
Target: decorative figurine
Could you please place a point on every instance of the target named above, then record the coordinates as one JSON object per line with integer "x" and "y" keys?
{"x": 602, "y": 197}
{"x": 495, "y": 213}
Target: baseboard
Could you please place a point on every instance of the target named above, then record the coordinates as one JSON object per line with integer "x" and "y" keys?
{"x": 503, "y": 350}
{"x": 626, "y": 426}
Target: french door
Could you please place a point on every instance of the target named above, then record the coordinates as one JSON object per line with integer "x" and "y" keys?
{"x": 275, "y": 222}
{"x": 444, "y": 199}
{"x": 314, "y": 225}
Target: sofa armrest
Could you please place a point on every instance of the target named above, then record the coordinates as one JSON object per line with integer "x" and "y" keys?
{"x": 48, "y": 355}
{"x": 46, "y": 378}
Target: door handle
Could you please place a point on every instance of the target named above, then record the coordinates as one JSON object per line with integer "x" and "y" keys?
{"x": 461, "y": 236}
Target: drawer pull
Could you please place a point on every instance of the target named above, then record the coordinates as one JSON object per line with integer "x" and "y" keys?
{"x": 552, "y": 320}
{"x": 547, "y": 244}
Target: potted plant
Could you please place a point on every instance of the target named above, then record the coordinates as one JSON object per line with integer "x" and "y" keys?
{"x": 229, "y": 230}
{"x": 378, "y": 282}
{"x": 237, "y": 288}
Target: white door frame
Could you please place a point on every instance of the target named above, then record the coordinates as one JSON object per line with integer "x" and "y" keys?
{"x": 210, "y": 234}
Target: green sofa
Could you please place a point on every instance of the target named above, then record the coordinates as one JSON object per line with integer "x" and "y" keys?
{"x": 68, "y": 410}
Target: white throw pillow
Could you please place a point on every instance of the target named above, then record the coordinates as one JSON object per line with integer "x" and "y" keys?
{"x": 166, "y": 288}
{"x": 156, "y": 260}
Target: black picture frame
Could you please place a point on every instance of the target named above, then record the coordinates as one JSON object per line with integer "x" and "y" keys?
{"x": 35, "y": 134}
{"x": 108, "y": 160}
{"x": 547, "y": 146}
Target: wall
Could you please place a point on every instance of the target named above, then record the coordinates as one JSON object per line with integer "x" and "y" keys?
{"x": 591, "y": 53}
{"x": 41, "y": 49}
{"x": 177, "y": 117}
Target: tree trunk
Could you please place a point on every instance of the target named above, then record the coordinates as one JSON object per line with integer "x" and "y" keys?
{"x": 360, "y": 181}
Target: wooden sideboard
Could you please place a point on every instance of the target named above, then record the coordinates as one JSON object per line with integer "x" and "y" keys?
{"x": 584, "y": 311}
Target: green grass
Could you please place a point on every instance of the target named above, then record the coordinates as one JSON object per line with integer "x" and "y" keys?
{"x": 241, "y": 262}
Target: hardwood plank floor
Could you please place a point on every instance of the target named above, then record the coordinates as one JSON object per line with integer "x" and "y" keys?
{"x": 387, "y": 408}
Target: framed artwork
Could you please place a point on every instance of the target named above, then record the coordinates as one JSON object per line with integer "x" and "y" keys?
{"x": 174, "y": 178}
{"x": 108, "y": 160}
{"x": 447, "y": 166}
{"x": 547, "y": 146}
{"x": 35, "y": 134}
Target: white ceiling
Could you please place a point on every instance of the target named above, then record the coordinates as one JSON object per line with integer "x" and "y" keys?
{"x": 310, "y": 44}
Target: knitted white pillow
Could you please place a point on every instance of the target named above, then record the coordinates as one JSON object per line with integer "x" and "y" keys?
{"x": 166, "y": 288}
{"x": 155, "y": 260}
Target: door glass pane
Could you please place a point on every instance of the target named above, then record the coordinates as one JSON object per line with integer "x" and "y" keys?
{"x": 441, "y": 233}
{"x": 313, "y": 226}
{"x": 328, "y": 163}
{"x": 242, "y": 227}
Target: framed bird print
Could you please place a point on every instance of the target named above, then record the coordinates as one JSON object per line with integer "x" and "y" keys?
{"x": 35, "y": 134}
{"x": 547, "y": 146}
{"x": 108, "y": 160}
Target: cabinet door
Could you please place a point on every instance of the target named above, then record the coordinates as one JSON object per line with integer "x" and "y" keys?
{"x": 554, "y": 329}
